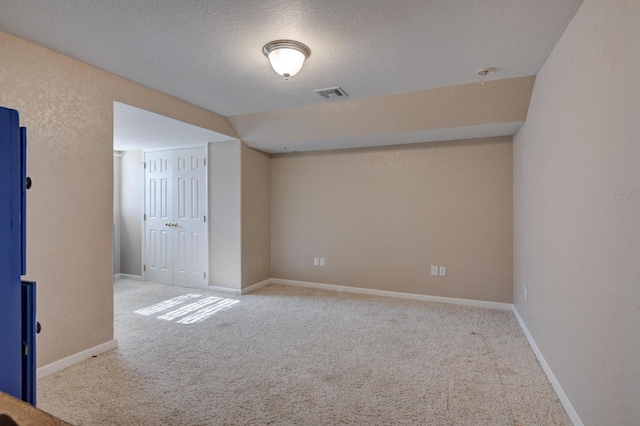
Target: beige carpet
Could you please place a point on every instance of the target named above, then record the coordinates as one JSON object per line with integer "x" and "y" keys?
{"x": 295, "y": 356}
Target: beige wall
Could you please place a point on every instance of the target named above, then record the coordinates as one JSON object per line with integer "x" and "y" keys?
{"x": 225, "y": 246}
{"x": 256, "y": 216}
{"x": 381, "y": 217}
{"x": 67, "y": 107}
{"x": 577, "y": 212}
{"x": 131, "y": 213}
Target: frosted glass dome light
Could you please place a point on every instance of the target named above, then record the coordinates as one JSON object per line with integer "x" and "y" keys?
{"x": 286, "y": 56}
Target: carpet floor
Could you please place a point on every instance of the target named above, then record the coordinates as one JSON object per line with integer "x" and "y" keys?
{"x": 296, "y": 356}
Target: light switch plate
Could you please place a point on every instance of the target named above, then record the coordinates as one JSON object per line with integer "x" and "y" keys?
{"x": 443, "y": 271}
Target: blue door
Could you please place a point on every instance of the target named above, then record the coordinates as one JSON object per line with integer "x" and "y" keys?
{"x": 17, "y": 302}
{"x": 10, "y": 254}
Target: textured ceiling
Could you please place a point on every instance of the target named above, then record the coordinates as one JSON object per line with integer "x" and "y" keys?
{"x": 208, "y": 52}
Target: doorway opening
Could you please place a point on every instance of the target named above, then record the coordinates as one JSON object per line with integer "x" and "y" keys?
{"x": 138, "y": 132}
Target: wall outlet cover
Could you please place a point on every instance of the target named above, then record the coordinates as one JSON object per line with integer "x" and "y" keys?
{"x": 434, "y": 270}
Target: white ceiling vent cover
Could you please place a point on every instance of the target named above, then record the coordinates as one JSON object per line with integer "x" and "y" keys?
{"x": 332, "y": 92}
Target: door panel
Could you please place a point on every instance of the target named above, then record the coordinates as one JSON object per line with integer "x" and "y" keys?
{"x": 158, "y": 240}
{"x": 195, "y": 198}
{"x": 165, "y": 251}
{"x": 10, "y": 258}
{"x": 190, "y": 205}
{"x": 181, "y": 200}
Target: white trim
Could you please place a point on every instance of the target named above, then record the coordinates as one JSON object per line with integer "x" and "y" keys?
{"x": 465, "y": 302}
{"x": 223, "y": 289}
{"x": 573, "y": 414}
{"x": 256, "y": 286}
{"x": 128, "y": 277}
{"x": 143, "y": 223}
{"x": 74, "y": 359}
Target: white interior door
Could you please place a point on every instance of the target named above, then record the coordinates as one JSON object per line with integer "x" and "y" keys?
{"x": 176, "y": 240}
{"x": 158, "y": 203}
{"x": 190, "y": 207}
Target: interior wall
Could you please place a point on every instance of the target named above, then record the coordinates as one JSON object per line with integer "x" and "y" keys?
{"x": 577, "y": 213}
{"x": 117, "y": 166}
{"x": 225, "y": 245}
{"x": 380, "y": 217}
{"x": 131, "y": 213}
{"x": 67, "y": 107}
{"x": 256, "y": 216}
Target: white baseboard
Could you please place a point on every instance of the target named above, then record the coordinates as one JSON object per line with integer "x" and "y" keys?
{"x": 76, "y": 358}
{"x": 564, "y": 399}
{"x": 128, "y": 277}
{"x": 452, "y": 300}
{"x": 223, "y": 289}
{"x": 256, "y": 286}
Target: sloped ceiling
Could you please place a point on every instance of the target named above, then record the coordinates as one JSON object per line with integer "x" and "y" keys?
{"x": 394, "y": 58}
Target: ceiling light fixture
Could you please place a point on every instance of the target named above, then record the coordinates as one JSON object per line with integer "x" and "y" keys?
{"x": 286, "y": 56}
{"x": 485, "y": 72}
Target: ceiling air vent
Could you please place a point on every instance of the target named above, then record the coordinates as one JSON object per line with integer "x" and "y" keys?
{"x": 331, "y": 93}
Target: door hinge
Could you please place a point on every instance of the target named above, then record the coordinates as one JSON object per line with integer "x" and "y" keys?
{"x": 205, "y": 217}
{"x": 205, "y": 275}
{"x": 144, "y": 268}
{"x": 145, "y": 165}
{"x": 145, "y": 216}
{"x": 205, "y": 161}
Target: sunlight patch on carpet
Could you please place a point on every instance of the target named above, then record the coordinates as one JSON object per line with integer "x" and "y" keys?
{"x": 192, "y": 313}
{"x": 166, "y": 304}
{"x": 203, "y": 314}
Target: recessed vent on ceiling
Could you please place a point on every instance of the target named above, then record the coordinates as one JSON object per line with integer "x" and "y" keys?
{"x": 332, "y": 92}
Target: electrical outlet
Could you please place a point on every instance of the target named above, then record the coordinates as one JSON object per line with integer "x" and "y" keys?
{"x": 315, "y": 261}
{"x": 443, "y": 271}
{"x": 434, "y": 270}
{"x": 322, "y": 261}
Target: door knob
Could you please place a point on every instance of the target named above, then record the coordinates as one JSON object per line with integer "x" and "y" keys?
{"x": 167, "y": 224}
{"x": 175, "y": 224}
